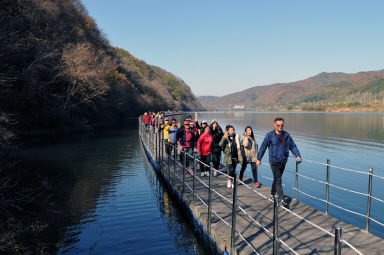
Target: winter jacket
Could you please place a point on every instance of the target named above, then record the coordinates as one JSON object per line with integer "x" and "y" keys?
{"x": 187, "y": 139}
{"x": 204, "y": 144}
{"x": 217, "y": 134}
{"x": 231, "y": 149}
{"x": 250, "y": 149}
{"x": 172, "y": 135}
{"x": 166, "y": 132}
{"x": 278, "y": 153}
{"x": 146, "y": 119}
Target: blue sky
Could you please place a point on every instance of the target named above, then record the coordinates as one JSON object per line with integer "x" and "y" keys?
{"x": 220, "y": 47}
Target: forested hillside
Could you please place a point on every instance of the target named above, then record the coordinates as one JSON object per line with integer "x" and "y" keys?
{"x": 59, "y": 73}
{"x": 325, "y": 90}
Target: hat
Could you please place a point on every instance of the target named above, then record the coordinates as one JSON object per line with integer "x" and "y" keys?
{"x": 204, "y": 122}
{"x": 186, "y": 122}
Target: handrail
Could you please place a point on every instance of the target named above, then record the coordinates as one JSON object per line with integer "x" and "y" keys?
{"x": 288, "y": 210}
{"x": 343, "y": 168}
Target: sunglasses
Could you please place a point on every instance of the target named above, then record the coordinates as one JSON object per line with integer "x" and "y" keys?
{"x": 279, "y": 125}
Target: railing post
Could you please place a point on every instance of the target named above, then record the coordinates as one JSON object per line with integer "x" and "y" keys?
{"x": 297, "y": 180}
{"x": 234, "y": 208}
{"x": 338, "y": 233}
{"x": 174, "y": 164}
{"x": 169, "y": 158}
{"x": 162, "y": 148}
{"x": 209, "y": 199}
{"x": 194, "y": 180}
{"x": 184, "y": 168}
{"x": 327, "y": 187}
{"x": 156, "y": 146}
{"x": 369, "y": 199}
{"x": 276, "y": 224}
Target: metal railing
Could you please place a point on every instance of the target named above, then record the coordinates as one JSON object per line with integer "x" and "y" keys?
{"x": 328, "y": 184}
{"x": 170, "y": 168}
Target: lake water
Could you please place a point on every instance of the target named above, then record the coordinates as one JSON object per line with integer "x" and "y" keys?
{"x": 111, "y": 201}
{"x": 350, "y": 140}
{"x": 107, "y": 199}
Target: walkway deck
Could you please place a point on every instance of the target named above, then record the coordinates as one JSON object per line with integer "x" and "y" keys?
{"x": 298, "y": 234}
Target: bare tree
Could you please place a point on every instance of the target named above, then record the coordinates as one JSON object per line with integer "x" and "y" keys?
{"x": 87, "y": 70}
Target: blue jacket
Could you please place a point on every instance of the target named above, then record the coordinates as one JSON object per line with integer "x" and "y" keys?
{"x": 277, "y": 153}
{"x": 172, "y": 135}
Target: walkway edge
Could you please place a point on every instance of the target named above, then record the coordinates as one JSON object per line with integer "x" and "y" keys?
{"x": 196, "y": 220}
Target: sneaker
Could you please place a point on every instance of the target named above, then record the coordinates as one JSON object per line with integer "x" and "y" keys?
{"x": 283, "y": 203}
{"x": 257, "y": 185}
{"x": 202, "y": 174}
{"x": 207, "y": 173}
{"x": 229, "y": 184}
{"x": 271, "y": 197}
{"x": 215, "y": 173}
{"x": 232, "y": 185}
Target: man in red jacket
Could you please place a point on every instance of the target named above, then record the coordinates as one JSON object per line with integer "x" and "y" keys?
{"x": 204, "y": 147}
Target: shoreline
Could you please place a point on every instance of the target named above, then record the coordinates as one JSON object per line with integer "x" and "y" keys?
{"x": 330, "y": 110}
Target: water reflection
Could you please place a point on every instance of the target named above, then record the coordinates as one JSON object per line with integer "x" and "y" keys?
{"x": 106, "y": 199}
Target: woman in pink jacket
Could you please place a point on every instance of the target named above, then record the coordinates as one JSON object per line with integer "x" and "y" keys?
{"x": 204, "y": 147}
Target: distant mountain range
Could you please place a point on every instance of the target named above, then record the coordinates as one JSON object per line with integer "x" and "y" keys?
{"x": 322, "y": 88}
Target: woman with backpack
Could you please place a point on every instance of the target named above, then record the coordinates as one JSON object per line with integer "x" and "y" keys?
{"x": 249, "y": 152}
{"x": 204, "y": 148}
{"x": 230, "y": 143}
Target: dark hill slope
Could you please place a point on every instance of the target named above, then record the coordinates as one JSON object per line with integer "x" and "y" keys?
{"x": 58, "y": 72}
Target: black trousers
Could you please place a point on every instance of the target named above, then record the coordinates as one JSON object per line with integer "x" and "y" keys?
{"x": 206, "y": 160}
{"x": 254, "y": 170}
{"x": 277, "y": 171}
{"x": 232, "y": 168}
{"x": 216, "y": 159}
{"x": 187, "y": 150}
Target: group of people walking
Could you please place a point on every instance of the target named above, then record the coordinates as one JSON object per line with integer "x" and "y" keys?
{"x": 210, "y": 142}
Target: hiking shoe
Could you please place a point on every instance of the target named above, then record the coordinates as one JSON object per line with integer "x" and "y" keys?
{"x": 257, "y": 185}
{"x": 284, "y": 203}
{"x": 229, "y": 184}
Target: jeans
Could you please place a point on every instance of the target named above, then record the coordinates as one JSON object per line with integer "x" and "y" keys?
{"x": 188, "y": 150}
{"x": 216, "y": 159}
{"x": 277, "y": 171}
{"x": 206, "y": 160}
{"x": 254, "y": 170}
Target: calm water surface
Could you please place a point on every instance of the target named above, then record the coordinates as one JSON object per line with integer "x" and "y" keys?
{"x": 108, "y": 200}
{"x": 350, "y": 140}
{"x": 111, "y": 201}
